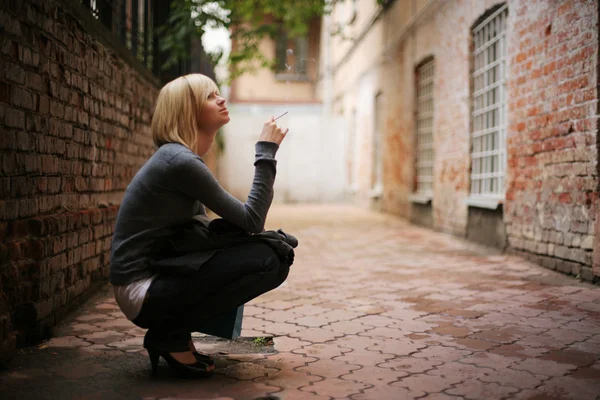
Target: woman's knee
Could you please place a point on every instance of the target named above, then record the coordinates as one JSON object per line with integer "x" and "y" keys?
{"x": 275, "y": 266}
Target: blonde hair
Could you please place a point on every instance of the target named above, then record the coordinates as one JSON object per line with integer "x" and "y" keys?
{"x": 178, "y": 105}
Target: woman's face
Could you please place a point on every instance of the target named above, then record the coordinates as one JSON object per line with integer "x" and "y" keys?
{"x": 214, "y": 114}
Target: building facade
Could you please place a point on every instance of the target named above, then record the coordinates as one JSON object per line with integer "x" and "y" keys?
{"x": 309, "y": 169}
{"x": 475, "y": 117}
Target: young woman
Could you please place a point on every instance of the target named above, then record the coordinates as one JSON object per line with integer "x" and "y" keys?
{"x": 172, "y": 291}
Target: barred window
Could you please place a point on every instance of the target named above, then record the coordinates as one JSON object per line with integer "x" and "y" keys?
{"x": 424, "y": 128}
{"x": 377, "y": 155}
{"x": 488, "y": 152}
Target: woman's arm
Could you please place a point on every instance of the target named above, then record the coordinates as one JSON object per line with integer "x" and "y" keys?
{"x": 195, "y": 179}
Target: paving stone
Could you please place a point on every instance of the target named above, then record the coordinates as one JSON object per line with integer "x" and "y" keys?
{"x": 553, "y": 338}
{"x": 298, "y": 395}
{"x": 397, "y": 347}
{"x": 565, "y": 314}
{"x": 426, "y": 383}
{"x": 117, "y": 324}
{"x": 230, "y": 388}
{"x": 410, "y": 364}
{"x": 84, "y": 328}
{"x": 108, "y": 306}
{"x": 375, "y": 320}
{"x": 490, "y": 360}
{"x": 474, "y": 344}
{"x": 253, "y": 333}
{"x": 348, "y": 327}
{"x": 276, "y": 316}
{"x": 365, "y": 358}
{"x": 384, "y": 332}
{"x": 68, "y": 342}
{"x": 475, "y": 389}
{"x": 590, "y": 306}
{"x": 253, "y": 323}
{"x": 500, "y": 335}
{"x": 460, "y": 371}
{"x": 92, "y": 318}
{"x": 570, "y": 388}
{"x": 328, "y": 368}
{"x": 103, "y": 337}
{"x": 543, "y": 367}
{"x": 287, "y": 344}
{"x": 252, "y": 310}
{"x": 454, "y": 331}
{"x": 316, "y": 335}
{"x": 375, "y": 375}
{"x": 571, "y": 357}
{"x": 440, "y": 396}
{"x": 281, "y": 329}
{"x": 129, "y": 345}
{"x": 309, "y": 309}
{"x": 323, "y": 350}
{"x": 516, "y": 350}
{"x": 290, "y": 380}
{"x": 440, "y": 353}
{"x": 389, "y": 392}
{"x": 315, "y": 321}
{"x": 590, "y": 326}
{"x": 336, "y": 388}
{"x": 587, "y": 346}
{"x": 465, "y": 313}
{"x": 247, "y": 371}
{"x": 513, "y": 378}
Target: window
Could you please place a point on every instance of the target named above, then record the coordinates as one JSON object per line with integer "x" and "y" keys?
{"x": 488, "y": 152}
{"x": 377, "y": 171}
{"x": 291, "y": 55}
{"x": 424, "y": 129}
{"x": 353, "y": 152}
{"x": 131, "y": 21}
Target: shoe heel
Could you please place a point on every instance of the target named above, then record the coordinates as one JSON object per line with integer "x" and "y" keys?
{"x": 154, "y": 355}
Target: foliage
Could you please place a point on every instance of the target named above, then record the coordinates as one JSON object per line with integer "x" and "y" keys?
{"x": 249, "y": 21}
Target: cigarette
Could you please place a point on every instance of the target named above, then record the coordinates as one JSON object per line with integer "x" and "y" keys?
{"x": 280, "y": 116}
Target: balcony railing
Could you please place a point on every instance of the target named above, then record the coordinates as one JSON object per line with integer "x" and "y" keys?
{"x": 134, "y": 23}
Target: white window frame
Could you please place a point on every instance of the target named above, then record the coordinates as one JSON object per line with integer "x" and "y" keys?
{"x": 488, "y": 136}
{"x": 354, "y": 151}
{"x": 378, "y": 142}
{"x": 424, "y": 166}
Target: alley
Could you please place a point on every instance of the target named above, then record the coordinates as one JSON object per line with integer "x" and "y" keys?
{"x": 374, "y": 308}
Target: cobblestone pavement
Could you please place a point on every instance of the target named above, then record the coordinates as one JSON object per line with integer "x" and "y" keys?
{"x": 374, "y": 308}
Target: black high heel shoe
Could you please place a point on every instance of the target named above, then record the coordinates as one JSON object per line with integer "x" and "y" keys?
{"x": 199, "y": 369}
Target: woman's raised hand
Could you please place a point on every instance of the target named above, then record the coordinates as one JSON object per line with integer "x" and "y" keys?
{"x": 272, "y": 133}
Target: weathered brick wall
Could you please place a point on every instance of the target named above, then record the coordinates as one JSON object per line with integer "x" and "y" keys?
{"x": 75, "y": 123}
{"x": 552, "y": 110}
{"x": 551, "y": 138}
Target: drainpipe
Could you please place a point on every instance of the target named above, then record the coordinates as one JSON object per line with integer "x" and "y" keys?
{"x": 327, "y": 78}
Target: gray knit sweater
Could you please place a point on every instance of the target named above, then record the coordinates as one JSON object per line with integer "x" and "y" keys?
{"x": 173, "y": 186}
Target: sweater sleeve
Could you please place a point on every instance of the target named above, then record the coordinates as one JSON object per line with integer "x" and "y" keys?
{"x": 194, "y": 179}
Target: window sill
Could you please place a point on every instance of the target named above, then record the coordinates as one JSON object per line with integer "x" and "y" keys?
{"x": 280, "y": 76}
{"x": 420, "y": 198}
{"x": 491, "y": 203}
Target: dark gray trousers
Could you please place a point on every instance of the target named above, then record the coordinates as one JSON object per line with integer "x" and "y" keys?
{"x": 177, "y": 305}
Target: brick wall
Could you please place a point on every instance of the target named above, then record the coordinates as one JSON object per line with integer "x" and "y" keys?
{"x": 551, "y": 138}
{"x": 549, "y": 214}
{"x": 75, "y": 121}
